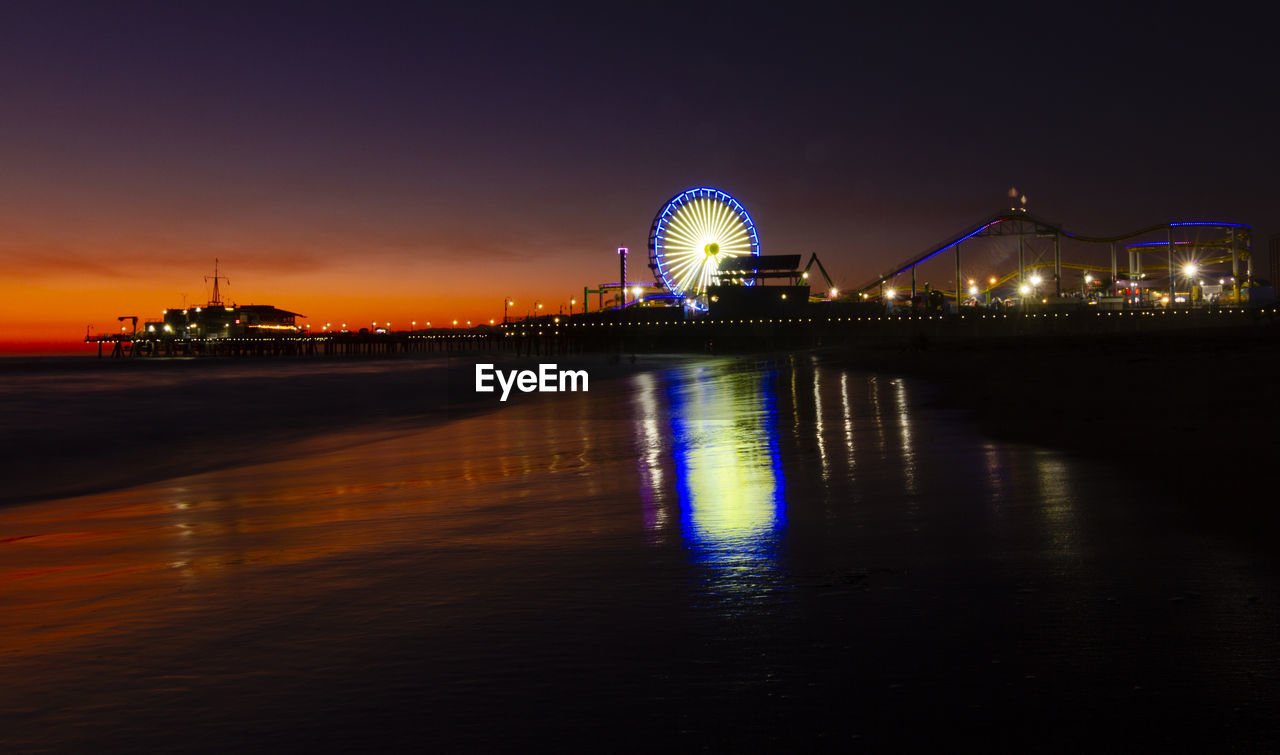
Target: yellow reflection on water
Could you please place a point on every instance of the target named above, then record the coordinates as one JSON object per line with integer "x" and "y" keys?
{"x": 726, "y": 460}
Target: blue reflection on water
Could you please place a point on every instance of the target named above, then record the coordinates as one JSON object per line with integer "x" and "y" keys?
{"x": 723, "y": 440}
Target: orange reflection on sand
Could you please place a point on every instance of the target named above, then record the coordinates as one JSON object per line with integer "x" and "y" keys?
{"x": 130, "y": 559}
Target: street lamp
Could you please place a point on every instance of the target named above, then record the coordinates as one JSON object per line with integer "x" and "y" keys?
{"x": 1190, "y": 270}
{"x": 507, "y": 301}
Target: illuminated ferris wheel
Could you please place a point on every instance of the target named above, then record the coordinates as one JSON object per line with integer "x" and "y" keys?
{"x": 692, "y": 233}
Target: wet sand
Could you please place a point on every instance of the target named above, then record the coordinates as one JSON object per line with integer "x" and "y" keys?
{"x": 81, "y": 425}
{"x": 720, "y": 554}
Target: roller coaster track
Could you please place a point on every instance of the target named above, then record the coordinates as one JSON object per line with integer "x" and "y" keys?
{"x": 1041, "y": 227}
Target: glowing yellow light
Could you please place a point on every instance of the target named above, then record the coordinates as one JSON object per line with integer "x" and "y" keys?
{"x": 698, "y": 235}
{"x": 1035, "y": 280}
{"x": 1190, "y": 269}
{"x": 888, "y": 294}
{"x": 835, "y": 293}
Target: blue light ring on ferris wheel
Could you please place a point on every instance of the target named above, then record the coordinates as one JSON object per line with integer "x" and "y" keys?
{"x": 714, "y": 222}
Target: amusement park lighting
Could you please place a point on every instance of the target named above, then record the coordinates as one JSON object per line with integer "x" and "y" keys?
{"x": 973, "y": 290}
{"x": 693, "y": 233}
{"x": 1024, "y": 289}
{"x": 635, "y": 291}
{"x": 1190, "y": 269}
{"x": 1035, "y": 280}
{"x": 1088, "y": 278}
{"x": 888, "y": 294}
{"x": 805, "y": 275}
{"x": 971, "y": 281}
{"x": 835, "y": 292}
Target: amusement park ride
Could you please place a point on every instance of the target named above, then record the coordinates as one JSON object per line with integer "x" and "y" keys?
{"x": 703, "y": 240}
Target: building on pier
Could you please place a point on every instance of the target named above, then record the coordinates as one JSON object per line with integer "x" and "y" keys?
{"x": 216, "y": 320}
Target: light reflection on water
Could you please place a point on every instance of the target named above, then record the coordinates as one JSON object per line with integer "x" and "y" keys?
{"x": 717, "y": 429}
{"x": 831, "y": 512}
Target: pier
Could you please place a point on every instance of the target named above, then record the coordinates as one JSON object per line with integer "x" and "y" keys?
{"x": 664, "y": 330}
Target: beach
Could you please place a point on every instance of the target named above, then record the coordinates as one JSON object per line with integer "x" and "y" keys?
{"x": 719, "y": 553}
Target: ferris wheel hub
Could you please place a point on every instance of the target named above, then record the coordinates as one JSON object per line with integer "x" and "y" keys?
{"x": 711, "y": 249}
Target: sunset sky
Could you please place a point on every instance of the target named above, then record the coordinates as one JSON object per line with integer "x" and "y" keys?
{"x": 413, "y": 161}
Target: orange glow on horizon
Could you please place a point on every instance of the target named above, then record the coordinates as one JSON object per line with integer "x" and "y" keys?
{"x": 53, "y": 306}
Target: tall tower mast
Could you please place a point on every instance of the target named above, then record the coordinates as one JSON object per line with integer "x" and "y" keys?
{"x": 622, "y": 273}
{"x": 216, "y": 301}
